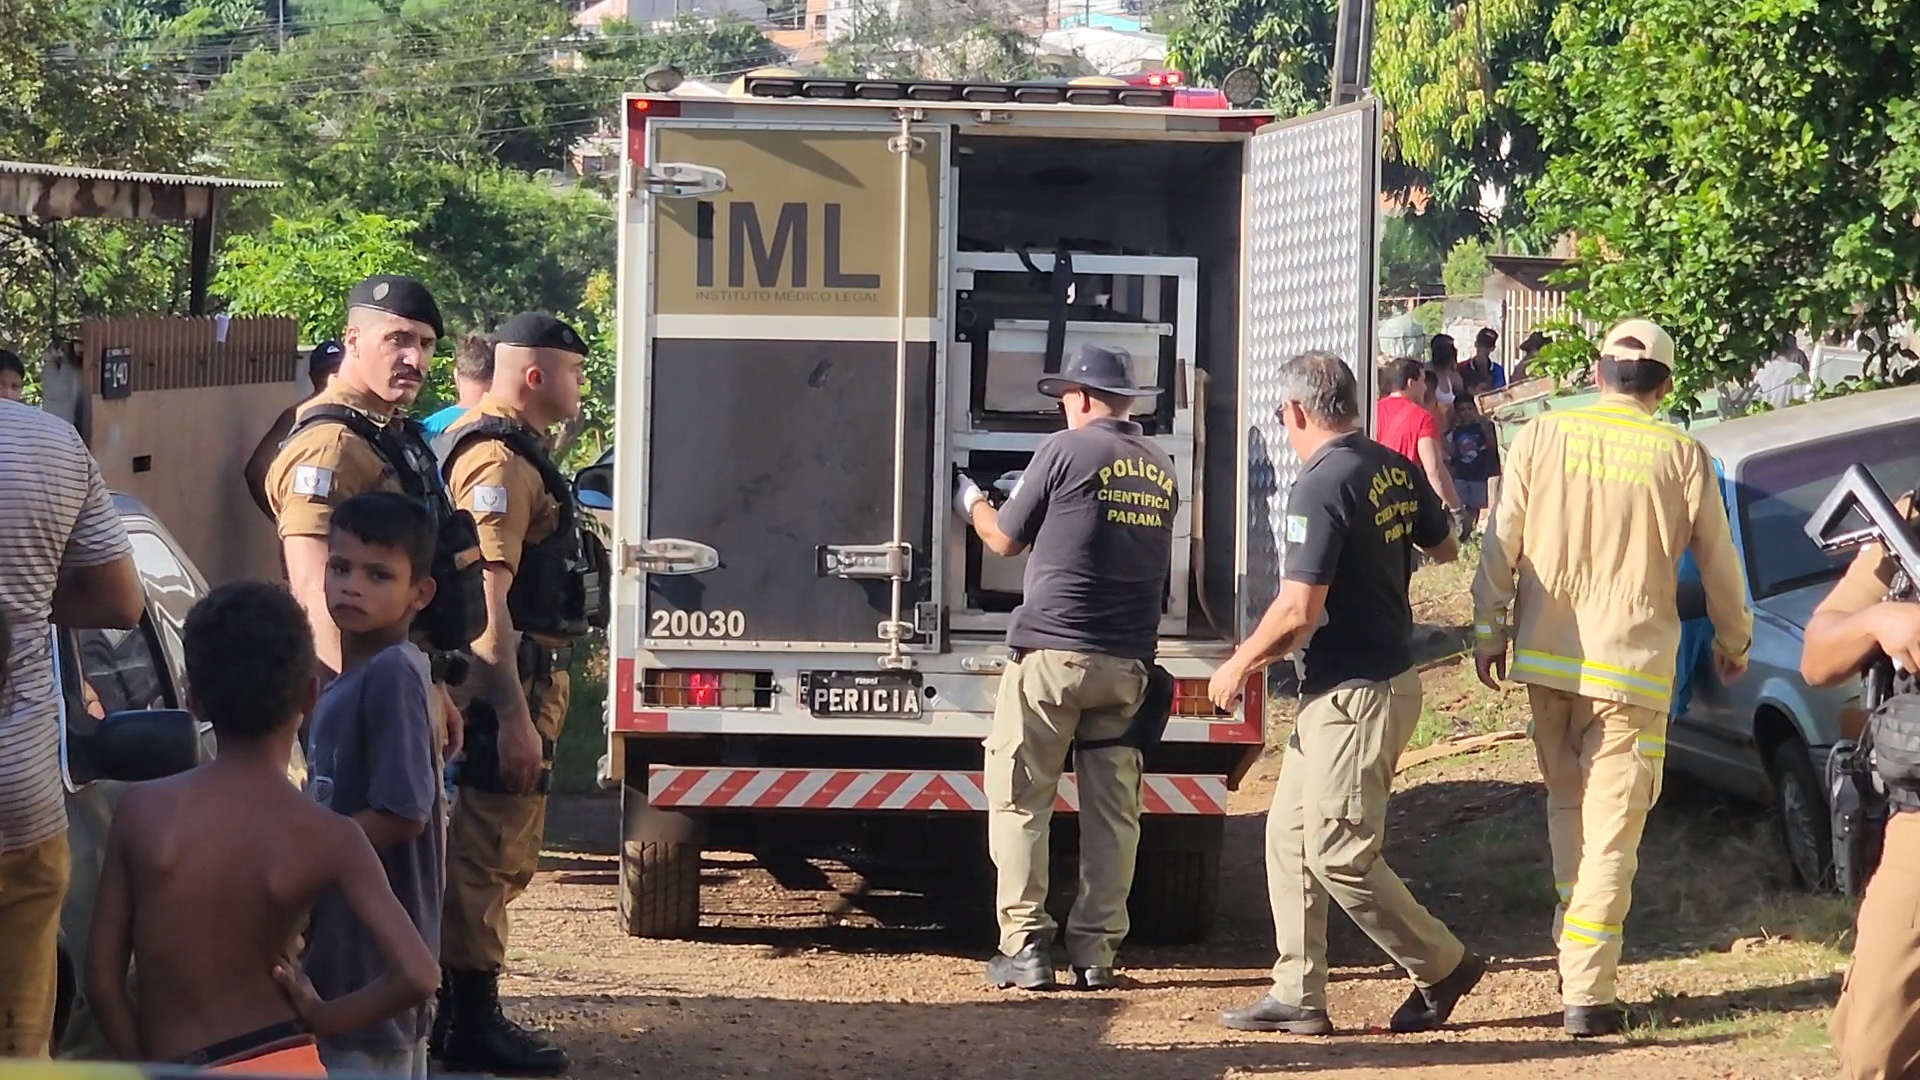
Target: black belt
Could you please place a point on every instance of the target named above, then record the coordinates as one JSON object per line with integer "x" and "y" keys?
{"x": 538, "y": 659}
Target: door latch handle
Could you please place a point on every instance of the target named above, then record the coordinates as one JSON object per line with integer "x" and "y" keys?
{"x": 673, "y": 557}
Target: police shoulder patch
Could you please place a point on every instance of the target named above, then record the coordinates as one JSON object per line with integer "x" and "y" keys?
{"x": 1296, "y": 528}
{"x": 312, "y": 481}
{"x": 487, "y": 499}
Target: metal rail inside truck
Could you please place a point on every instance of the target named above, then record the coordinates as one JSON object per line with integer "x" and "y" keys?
{"x": 834, "y": 295}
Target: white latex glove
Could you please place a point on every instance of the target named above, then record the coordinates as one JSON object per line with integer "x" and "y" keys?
{"x": 966, "y": 496}
{"x": 1007, "y": 482}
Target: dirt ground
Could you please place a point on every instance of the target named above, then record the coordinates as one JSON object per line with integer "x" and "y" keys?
{"x": 836, "y": 974}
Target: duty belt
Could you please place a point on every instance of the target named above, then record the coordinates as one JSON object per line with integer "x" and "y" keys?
{"x": 536, "y": 658}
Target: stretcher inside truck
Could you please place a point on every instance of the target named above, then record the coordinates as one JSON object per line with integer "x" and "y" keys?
{"x": 832, "y": 305}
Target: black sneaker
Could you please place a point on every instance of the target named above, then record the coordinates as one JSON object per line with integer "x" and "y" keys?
{"x": 1098, "y": 978}
{"x": 1429, "y": 1007}
{"x": 1595, "y": 1021}
{"x": 1272, "y": 1014}
{"x": 1029, "y": 969}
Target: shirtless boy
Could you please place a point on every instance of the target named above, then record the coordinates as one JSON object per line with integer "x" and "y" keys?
{"x": 209, "y": 875}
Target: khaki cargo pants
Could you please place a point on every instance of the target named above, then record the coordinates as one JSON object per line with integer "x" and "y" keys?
{"x": 493, "y": 847}
{"x": 33, "y": 883}
{"x": 1324, "y": 835}
{"x": 1876, "y": 1026}
{"x": 1602, "y": 762}
{"x": 1046, "y": 698}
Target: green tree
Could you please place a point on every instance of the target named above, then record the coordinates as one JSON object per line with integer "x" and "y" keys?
{"x": 304, "y": 267}
{"x": 1737, "y": 171}
{"x": 926, "y": 39}
{"x": 1466, "y": 268}
{"x": 1289, "y": 42}
{"x": 1409, "y": 260}
{"x": 722, "y": 48}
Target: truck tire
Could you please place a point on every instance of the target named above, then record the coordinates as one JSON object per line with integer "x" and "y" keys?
{"x": 1176, "y": 880}
{"x": 659, "y": 866}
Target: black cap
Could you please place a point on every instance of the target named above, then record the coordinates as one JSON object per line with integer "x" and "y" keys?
{"x": 10, "y": 360}
{"x": 1095, "y": 367}
{"x": 325, "y": 358}
{"x": 538, "y": 330}
{"x": 396, "y": 294}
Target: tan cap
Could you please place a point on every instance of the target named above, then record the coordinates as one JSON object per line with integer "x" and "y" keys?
{"x": 1639, "y": 339}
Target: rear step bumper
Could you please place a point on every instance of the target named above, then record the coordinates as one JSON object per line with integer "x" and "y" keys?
{"x": 699, "y": 787}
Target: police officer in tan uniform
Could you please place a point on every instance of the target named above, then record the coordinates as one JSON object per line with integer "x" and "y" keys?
{"x": 537, "y": 577}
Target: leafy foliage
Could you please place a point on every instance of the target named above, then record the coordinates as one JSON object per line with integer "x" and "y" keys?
{"x": 304, "y": 267}
{"x": 1409, "y": 260}
{"x": 929, "y": 39}
{"x": 1735, "y": 171}
{"x": 1466, "y": 268}
{"x": 1289, "y": 42}
{"x": 719, "y": 48}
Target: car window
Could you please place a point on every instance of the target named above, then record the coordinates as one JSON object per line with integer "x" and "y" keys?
{"x": 1778, "y": 492}
{"x": 121, "y": 670}
{"x": 171, "y": 587}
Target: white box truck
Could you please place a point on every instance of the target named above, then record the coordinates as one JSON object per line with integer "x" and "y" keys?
{"x": 836, "y": 294}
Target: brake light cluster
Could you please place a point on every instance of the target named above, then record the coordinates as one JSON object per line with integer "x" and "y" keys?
{"x": 1190, "y": 699}
{"x": 639, "y": 111}
{"x": 707, "y": 689}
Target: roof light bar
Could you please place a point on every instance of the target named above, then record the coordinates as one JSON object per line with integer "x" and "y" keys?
{"x": 1118, "y": 93}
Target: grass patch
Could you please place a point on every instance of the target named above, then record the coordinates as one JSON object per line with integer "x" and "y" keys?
{"x": 576, "y": 759}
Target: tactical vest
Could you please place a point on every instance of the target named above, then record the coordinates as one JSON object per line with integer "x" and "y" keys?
{"x": 1892, "y": 700}
{"x": 562, "y": 586}
{"x": 458, "y": 612}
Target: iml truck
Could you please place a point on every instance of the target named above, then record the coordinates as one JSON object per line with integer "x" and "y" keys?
{"x": 835, "y": 296}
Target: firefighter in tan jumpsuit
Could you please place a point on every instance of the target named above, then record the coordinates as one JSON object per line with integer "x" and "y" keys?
{"x": 1597, "y": 506}
{"x": 521, "y": 677}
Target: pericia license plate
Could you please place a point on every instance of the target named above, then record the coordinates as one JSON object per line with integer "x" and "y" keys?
{"x": 862, "y": 695}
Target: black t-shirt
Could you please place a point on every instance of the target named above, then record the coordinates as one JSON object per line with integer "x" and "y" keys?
{"x": 1096, "y": 505}
{"x": 1354, "y": 517}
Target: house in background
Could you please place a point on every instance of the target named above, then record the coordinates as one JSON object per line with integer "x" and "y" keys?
{"x": 650, "y": 12}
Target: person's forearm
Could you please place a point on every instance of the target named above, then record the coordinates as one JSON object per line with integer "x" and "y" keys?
{"x": 306, "y": 559}
{"x": 104, "y": 597}
{"x": 388, "y": 996}
{"x": 387, "y": 830}
{"x": 496, "y": 654}
{"x": 1278, "y": 633}
{"x": 1836, "y": 645}
{"x": 986, "y": 524}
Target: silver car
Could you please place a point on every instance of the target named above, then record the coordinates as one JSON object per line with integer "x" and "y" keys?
{"x": 120, "y": 674}
{"x": 1767, "y": 737}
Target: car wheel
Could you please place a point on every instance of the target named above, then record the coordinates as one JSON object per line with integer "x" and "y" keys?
{"x": 1801, "y": 808}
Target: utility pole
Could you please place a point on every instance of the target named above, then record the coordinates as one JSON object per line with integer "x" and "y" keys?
{"x": 1352, "y": 51}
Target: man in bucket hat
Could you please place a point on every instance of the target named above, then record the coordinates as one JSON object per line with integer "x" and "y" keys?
{"x": 1096, "y": 505}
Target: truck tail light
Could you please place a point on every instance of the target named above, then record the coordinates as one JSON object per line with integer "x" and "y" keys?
{"x": 1190, "y": 699}
{"x": 639, "y": 111}
{"x": 707, "y": 689}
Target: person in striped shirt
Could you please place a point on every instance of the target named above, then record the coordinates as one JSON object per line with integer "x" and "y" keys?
{"x": 64, "y": 558}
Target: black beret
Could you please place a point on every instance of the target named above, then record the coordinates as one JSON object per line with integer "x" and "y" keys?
{"x": 537, "y": 330}
{"x": 326, "y": 357}
{"x": 398, "y": 295}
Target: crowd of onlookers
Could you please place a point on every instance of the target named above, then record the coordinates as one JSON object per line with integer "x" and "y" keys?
{"x": 1428, "y": 411}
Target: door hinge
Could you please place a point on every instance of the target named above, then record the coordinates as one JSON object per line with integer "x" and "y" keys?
{"x": 667, "y": 557}
{"x": 864, "y": 562}
{"x": 679, "y": 180}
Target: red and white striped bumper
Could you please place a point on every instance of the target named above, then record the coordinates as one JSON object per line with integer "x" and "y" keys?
{"x": 894, "y": 789}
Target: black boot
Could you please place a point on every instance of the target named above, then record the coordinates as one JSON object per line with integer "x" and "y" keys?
{"x": 442, "y": 1019}
{"x": 480, "y": 1038}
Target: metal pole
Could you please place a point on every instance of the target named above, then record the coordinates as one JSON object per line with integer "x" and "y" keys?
{"x": 200, "y": 265}
{"x": 903, "y": 144}
{"x": 1352, "y": 50}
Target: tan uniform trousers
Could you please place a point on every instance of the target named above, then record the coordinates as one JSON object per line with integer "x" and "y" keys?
{"x": 1876, "y": 1026}
{"x": 33, "y": 883}
{"x": 1324, "y": 835}
{"x": 1046, "y": 698}
{"x": 1602, "y": 762}
{"x": 493, "y": 848}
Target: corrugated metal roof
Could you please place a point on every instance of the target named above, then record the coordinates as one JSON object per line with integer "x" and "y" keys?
{"x": 72, "y": 172}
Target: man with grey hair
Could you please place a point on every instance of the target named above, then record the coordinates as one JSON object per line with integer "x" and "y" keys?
{"x": 1355, "y": 516}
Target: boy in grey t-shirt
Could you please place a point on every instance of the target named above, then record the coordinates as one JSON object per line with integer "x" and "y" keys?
{"x": 375, "y": 757}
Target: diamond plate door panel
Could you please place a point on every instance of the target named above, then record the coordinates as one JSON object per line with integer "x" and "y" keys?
{"x": 1312, "y": 213}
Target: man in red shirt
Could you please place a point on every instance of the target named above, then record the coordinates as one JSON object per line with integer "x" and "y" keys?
{"x": 1402, "y": 424}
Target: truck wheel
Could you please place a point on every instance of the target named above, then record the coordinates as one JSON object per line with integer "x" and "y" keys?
{"x": 1176, "y": 880}
{"x": 1805, "y": 824}
{"x": 659, "y": 866}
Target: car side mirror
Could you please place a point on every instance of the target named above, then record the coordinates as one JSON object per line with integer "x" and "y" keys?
{"x": 593, "y": 486}
{"x": 139, "y": 744}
